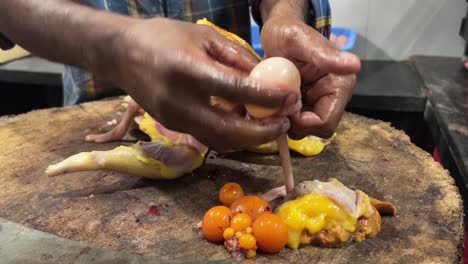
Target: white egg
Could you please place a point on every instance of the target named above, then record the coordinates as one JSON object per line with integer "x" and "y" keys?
{"x": 277, "y": 71}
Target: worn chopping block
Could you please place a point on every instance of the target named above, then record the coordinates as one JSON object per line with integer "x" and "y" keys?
{"x": 139, "y": 216}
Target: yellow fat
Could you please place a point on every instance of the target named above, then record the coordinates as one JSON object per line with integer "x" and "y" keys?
{"x": 366, "y": 208}
{"x": 231, "y": 36}
{"x": 221, "y": 103}
{"x": 313, "y": 212}
{"x": 147, "y": 125}
{"x": 306, "y": 146}
{"x": 267, "y": 148}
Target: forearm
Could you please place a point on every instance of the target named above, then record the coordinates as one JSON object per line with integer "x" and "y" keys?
{"x": 63, "y": 31}
{"x": 290, "y": 8}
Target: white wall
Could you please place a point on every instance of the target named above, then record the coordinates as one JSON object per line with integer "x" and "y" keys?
{"x": 398, "y": 29}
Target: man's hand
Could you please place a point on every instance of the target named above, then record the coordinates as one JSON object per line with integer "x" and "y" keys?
{"x": 328, "y": 74}
{"x": 172, "y": 68}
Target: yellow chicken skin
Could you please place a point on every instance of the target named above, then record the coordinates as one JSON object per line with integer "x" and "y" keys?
{"x": 124, "y": 159}
{"x": 135, "y": 161}
{"x": 169, "y": 154}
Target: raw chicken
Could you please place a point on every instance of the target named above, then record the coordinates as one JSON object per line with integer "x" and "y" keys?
{"x": 171, "y": 154}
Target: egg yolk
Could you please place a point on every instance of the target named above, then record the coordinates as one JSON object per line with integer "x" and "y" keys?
{"x": 314, "y": 213}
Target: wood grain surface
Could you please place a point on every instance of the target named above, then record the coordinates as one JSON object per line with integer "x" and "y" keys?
{"x": 110, "y": 210}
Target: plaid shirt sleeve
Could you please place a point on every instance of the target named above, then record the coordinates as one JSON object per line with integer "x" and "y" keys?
{"x": 80, "y": 86}
{"x": 319, "y": 13}
{"x": 321, "y": 16}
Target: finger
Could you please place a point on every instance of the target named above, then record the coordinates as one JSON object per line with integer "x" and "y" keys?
{"x": 229, "y": 53}
{"x": 219, "y": 80}
{"x": 291, "y": 106}
{"x": 327, "y": 101}
{"x": 231, "y": 130}
{"x": 330, "y": 85}
{"x": 319, "y": 53}
{"x": 221, "y": 130}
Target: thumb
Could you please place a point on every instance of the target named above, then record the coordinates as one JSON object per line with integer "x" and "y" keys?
{"x": 321, "y": 54}
{"x": 338, "y": 62}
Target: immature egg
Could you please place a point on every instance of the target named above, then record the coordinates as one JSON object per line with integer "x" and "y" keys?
{"x": 280, "y": 72}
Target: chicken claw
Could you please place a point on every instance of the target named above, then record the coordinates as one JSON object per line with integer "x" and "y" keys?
{"x": 121, "y": 129}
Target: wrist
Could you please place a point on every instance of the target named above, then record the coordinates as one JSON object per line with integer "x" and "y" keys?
{"x": 108, "y": 45}
{"x": 292, "y": 9}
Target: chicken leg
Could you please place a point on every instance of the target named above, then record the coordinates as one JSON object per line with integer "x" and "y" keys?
{"x": 119, "y": 131}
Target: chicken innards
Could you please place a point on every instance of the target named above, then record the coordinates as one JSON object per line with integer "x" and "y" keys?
{"x": 326, "y": 214}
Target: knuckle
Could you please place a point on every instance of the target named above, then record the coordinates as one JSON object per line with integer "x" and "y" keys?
{"x": 343, "y": 82}
{"x": 348, "y": 82}
{"x": 249, "y": 133}
{"x": 206, "y": 30}
{"x": 326, "y": 130}
{"x": 333, "y": 80}
{"x": 294, "y": 30}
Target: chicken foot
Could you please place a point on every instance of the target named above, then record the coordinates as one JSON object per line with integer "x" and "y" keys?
{"x": 119, "y": 131}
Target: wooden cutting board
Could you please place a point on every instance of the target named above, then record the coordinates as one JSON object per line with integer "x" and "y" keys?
{"x": 110, "y": 210}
